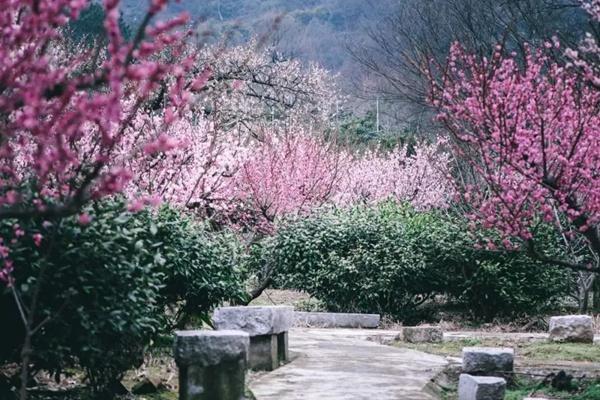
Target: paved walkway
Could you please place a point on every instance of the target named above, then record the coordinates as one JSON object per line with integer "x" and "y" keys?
{"x": 342, "y": 364}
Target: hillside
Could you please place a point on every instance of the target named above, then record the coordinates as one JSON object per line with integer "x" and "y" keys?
{"x": 312, "y": 30}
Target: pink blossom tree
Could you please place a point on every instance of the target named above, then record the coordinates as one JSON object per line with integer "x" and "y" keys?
{"x": 248, "y": 100}
{"x": 252, "y": 89}
{"x": 61, "y": 122}
{"x": 195, "y": 173}
{"x": 531, "y": 133}
{"x": 286, "y": 175}
{"x": 378, "y": 175}
{"x": 233, "y": 179}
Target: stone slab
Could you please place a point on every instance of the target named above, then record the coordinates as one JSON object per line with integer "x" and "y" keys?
{"x": 487, "y": 360}
{"x": 571, "y": 328}
{"x": 206, "y": 348}
{"x": 336, "y": 320}
{"x": 255, "y": 320}
{"x": 481, "y": 387}
{"x": 423, "y": 334}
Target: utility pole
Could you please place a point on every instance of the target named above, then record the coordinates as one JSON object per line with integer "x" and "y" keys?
{"x": 377, "y": 116}
{"x": 337, "y": 114}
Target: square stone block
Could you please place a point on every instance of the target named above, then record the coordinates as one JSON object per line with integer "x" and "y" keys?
{"x": 481, "y": 387}
{"x": 572, "y": 328}
{"x": 212, "y": 364}
{"x": 487, "y": 360}
{"x": 423, "y": 334}
{"x": 206, "y": 348}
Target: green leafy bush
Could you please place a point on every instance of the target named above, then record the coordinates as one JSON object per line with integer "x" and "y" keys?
{"x": 99, "y": 289}
{"x": 390, "y": 259}
{"x": 109, "y": 287}
{"x": 201, "y": 268}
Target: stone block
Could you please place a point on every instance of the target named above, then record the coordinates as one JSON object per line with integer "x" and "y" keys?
{"x": 481, "y": 387}
{"x": 212, "y": 364}
{"x": 423, "y": 334}
{"x": 205, "y": 348}
{"x": 255, "y": 320}
{"x": 336, "y": 320}
{"x": 283, "y": 347}
{"x": 264, "y": 353}
{"x": 572, "y": 328}
{"x": 487, "y": 360}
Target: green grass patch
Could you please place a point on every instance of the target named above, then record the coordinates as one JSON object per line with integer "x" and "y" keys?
{"x": 523, "y": 389}
{"x": 592, "y": 392}
{"x": 586, "y": 392}
{"x": 449, "y": 348}
{"x": 560, "y": 352}
{"x": 534, "y": 351}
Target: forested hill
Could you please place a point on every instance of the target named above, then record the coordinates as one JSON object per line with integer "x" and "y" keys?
{"x": 312, "y": 30}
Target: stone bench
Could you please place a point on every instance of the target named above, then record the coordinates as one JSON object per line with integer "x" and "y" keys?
{"x": 422, "y": 334}
{"x": 336, "y": 320}
{"x": 572, "y": 328}
{"x": 481, "y": 387}
{"x": 487, "y": 360}
{"x": 212, "y": 364}
{"x": 268, "y": 330}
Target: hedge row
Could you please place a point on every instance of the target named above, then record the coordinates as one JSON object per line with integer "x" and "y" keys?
{"x": 391, "y": 258}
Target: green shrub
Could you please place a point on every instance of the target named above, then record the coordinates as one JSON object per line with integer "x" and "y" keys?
{"x": 100, "y": 287}
{"x": 390, "y": 259}
{"x": 201, "y": 268}
{"x": 107, "y": 285}
{"x": 506, "y": 284}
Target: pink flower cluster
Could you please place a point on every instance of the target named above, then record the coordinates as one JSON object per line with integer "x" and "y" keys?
{"x": 532, "y": 134}
{"x": 252, "y": 183}
{"x": 419, "y": 176}
{"x": 288, "y": 175}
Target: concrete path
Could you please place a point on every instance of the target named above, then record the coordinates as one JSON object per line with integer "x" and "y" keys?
{"x": 342, "y": 364}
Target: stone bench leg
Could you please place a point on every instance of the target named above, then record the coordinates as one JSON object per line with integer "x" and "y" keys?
{"x": 212, "y": 364}
{"x": 282, "y": 347}
{"x": 264, "y": 353}
{"x": 225, "y": 381}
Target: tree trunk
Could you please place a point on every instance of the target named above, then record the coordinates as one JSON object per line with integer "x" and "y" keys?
{"x": 596, "y": 294}
{"x": 585, "y": 285}
{"x": 584, "y": 302}
{"x": 25, "y": 357}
